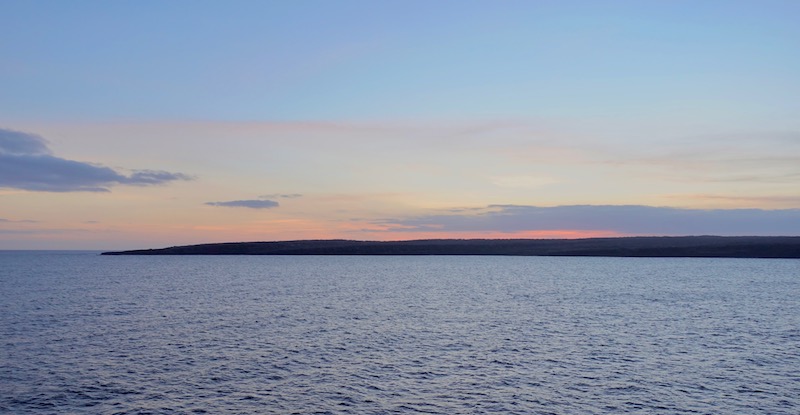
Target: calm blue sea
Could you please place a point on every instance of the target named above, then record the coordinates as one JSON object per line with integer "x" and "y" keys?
{"x": 88, "y": 334}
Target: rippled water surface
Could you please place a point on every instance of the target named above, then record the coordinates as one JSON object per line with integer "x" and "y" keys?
{"x": 88, "y": 334}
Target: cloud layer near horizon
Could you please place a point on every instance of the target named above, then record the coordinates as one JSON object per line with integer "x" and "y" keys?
{"x": 627, "y": 219}
{"x": 27, "y": 163}
{"x": 252, "y": 204}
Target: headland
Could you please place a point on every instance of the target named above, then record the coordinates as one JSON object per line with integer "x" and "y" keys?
{"x": 643, "y": 246}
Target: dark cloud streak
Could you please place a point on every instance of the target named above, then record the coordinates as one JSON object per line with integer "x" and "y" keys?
{"x": 152, "y": 177}
{"x": 4, "y": 220}
{"x": 251, "y": 204}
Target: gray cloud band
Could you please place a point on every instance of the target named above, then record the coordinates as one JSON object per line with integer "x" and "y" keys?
{"x": 27, "y": 163}
{"x": 252, "y": 204}
{"x": 628, "y": 219}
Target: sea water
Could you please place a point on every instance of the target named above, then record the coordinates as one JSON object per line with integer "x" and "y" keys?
{"x": 89, "y": 334}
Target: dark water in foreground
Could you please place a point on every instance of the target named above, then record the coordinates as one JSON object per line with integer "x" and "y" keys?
{"x": 87, "y": 334}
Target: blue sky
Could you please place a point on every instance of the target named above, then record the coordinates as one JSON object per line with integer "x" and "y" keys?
{"x": 384, "y": 60}
{"x": 388, "y": 113}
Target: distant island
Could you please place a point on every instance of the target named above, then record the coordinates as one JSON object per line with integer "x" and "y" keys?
{"x": 661, "y": 246}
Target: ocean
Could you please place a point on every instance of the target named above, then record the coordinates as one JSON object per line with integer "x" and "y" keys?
{"x": 88, "y": 334}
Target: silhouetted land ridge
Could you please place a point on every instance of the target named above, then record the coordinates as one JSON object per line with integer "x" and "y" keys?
{"x": 682, "y": 246}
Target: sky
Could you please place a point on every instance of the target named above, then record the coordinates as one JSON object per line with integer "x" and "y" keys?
{"x": 145, "y": 124}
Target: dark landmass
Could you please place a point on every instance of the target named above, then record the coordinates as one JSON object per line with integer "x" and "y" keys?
{"x": 681, "y": 246}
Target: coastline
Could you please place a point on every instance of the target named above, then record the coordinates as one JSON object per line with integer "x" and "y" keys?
{"x": 640, "y": 246}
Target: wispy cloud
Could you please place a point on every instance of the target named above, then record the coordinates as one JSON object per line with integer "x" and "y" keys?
{"x": 753, "y": 157}
{"x": 281, "y": 196}
{"x": 27, "y": 163}
{"x": 44, "y": 231}
{"x": 745, "y": 158}
{"x": 252, "y": 204}
{"x": 630, "y": 220}
{"x": 5, "y": 220}
{"x": 755, "y": 200}
{"x": 523, "y": 182}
